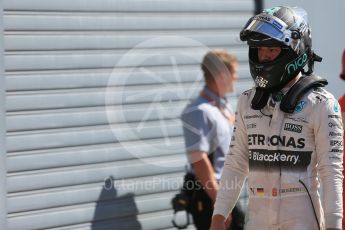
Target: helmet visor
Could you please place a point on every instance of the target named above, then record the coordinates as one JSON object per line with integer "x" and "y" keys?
{"x": 272, "y": 27}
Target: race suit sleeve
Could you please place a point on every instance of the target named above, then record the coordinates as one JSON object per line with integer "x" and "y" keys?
{"x": 236, "y": 166}
{"x": 329, "y": 153}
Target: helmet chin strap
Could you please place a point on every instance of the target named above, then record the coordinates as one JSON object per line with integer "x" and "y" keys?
{"x": 291, "y": 98}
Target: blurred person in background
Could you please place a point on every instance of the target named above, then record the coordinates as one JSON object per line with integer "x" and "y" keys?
{"x": 342, "y": 105}
{"x": 208, "y": 124}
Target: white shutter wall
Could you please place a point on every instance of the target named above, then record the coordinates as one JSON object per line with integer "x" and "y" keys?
{"x": 3, "y": 171}
{"x": 68, "y": 168}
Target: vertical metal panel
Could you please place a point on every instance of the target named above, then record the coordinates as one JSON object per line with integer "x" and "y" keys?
{"x": 95, "y": 90}
{"x": 3, "y": 169}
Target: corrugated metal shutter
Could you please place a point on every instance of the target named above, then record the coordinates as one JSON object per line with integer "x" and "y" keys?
{"x": 94, "y": 94}
{"x": 3, "y": 171}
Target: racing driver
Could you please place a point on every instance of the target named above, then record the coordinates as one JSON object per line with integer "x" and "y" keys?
{"x": 288, "y": 137}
